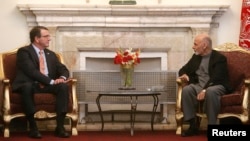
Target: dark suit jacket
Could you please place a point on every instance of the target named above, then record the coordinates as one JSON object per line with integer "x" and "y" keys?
{"x": 217, "y": 69}
{"x": 28, "y": 67}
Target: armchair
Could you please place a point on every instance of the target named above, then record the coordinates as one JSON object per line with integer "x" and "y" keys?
{"x": 235, "y": 104}
{"x": 12, "y": 107}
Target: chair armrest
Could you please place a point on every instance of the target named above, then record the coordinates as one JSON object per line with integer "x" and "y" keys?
{"x": 179, "y": 81}
{"x": 246, "y": 94}
{"x": 247, "y": 82}
{"x": 1, "y": 96}
{"x": 180, "y": 84}
{"x": 6, "y": 96}
{"x": 72, "y": 84}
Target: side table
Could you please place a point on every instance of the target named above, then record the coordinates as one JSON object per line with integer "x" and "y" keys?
{"x": 134, "y": 101}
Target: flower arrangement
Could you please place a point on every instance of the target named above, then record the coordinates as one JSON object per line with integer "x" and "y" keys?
{"x": 127, "y": 57}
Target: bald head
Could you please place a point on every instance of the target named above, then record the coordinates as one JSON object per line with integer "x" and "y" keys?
{"x": 204, "y": 37}
{"x": 202, "y": 44}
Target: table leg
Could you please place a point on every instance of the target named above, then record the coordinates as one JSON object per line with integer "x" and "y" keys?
{"x": 100, "y": 110}
{"x": 156, "y": 101}
{"x": 132, "y": 114}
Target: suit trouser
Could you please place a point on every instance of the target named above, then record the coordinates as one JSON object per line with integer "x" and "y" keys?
{"x": 211, "y": 104}
{"x": 27, "y": 91}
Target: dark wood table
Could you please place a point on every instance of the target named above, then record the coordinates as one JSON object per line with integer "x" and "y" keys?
{"x": 134, "y": 101}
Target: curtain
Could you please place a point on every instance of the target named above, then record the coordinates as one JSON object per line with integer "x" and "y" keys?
{"x": 244, "y": 39}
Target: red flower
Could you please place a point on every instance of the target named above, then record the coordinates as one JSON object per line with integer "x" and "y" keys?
{"x": 127, "y": 57}
{"x": 125, "y": 53}
{"x": 118, "y": 59}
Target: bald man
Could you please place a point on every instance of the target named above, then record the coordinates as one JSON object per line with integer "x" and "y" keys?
{"x": 207, "y": 76}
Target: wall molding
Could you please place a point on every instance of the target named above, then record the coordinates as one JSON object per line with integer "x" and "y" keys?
{"x": 202, "y": 16}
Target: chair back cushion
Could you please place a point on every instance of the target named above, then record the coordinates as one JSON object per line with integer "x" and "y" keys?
{"x": 239, "y": 68}
{"x": 9, "y": 65}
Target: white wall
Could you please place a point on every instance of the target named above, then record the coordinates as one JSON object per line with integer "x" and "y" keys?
{"x": 14, "y": 30}
{"x": 13, "y": 26}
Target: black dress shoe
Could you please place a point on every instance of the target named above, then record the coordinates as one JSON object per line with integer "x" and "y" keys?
{"x": 190, "y": 132}
{"x": 60, "y": 132}
{"x": 35, "y": 134}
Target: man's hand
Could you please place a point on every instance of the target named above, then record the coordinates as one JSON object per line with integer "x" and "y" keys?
{"x": 184, "y": 77}
{"x": 60, "y": 80}
{"x": 201, "y": 95}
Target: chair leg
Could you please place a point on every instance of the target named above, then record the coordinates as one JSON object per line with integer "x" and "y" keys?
{"x": 74, "y": 121}
{"x": 179, "y": 123}
{"x": 6, "y": 129}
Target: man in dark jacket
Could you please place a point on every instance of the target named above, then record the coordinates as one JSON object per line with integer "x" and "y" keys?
{"x": 207, "y": 76}
{"x": 46, "y": 76}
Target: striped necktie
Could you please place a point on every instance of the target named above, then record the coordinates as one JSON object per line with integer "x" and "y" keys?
{"x": 41, "y": 62}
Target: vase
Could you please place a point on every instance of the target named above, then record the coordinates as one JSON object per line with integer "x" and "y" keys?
{"x": 127, "y": 71}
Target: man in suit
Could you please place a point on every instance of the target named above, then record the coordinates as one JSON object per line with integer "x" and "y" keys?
{"x": 32, "y": 78}
{"x": 207, "y": 76}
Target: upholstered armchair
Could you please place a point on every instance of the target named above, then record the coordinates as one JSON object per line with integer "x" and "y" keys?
{"x": 45, "y": 103}
{"x": 235, "y": 104}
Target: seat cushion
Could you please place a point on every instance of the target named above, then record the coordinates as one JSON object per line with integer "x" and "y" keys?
{"x": 43, "y": 101}
{"x": 232, "y": 103}
{"x": 236, "y": 109}
{"x": 231, "y": 99}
